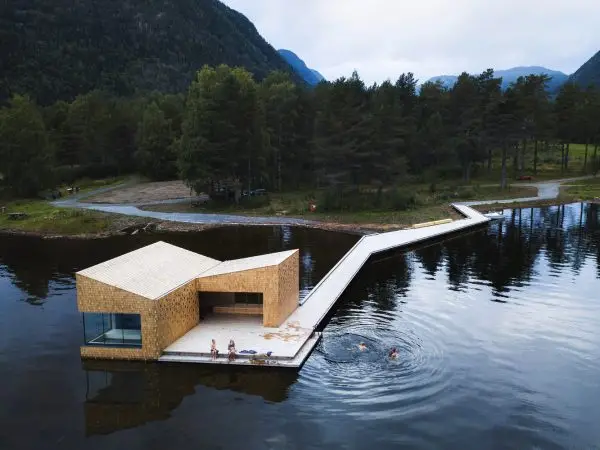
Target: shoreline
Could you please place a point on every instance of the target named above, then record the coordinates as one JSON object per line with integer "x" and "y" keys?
{"x": 529, "y": 204}
{"x": 105, "y": 224}
{"x": 124, "y": 225}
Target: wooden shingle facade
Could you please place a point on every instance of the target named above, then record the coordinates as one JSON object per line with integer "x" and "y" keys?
{"x": 138, "y": 304}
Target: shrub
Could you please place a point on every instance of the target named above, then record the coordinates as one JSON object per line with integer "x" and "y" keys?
{"x": 353, "y": 200}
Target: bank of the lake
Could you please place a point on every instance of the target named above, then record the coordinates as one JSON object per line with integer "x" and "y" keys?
{"x": 41, "y": 218}
{"x": 580, "y": 190}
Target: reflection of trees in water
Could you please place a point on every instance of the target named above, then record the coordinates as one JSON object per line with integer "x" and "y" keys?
{"x": 123, "y": 395}
{"x": 506, "y": 252}
{"x": 33, "y": 263}
{"x": 431, "y": 258}
{"x": 383, "y": 280}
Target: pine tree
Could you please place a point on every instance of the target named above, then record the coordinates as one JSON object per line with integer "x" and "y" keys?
{"x": 25, "y": 149}
{"x": 154, "y": 155}
{"x": 222, "y": 139}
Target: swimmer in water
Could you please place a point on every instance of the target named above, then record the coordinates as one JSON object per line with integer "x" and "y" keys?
{"x": 393, "y": 353}
{"x": 362, "y": 346}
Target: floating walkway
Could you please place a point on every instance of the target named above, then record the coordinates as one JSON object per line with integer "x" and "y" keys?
{"x": 291, "y": 343}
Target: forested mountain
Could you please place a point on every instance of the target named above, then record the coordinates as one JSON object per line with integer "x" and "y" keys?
{"x": 311, "y": 76}
{"x": 56, "y": 50}
{"x": 589, "y": 73}
{"x": 512, "y": 75}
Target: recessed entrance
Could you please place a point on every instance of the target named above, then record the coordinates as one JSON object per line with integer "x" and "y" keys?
{"x": 242, "y": 303}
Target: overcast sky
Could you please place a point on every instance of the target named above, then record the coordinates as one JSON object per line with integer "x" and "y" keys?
{"x": 384, "y": 38}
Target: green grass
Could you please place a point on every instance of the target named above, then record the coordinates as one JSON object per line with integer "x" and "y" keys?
{"x": 386, "y": 218}
{"x": 548, "y": 168}
{"x": 44, "y": 218}
{"x": 87, "y": 184}
{"x": 582, "y": 190}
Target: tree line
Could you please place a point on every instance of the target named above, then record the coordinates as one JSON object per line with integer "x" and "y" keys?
{"x": 343, "y": 135}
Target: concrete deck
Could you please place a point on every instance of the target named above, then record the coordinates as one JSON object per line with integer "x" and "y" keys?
{"x": 292, "y": 342}
{"x": 247, "y": 332}
{"x": 286, "y": 347}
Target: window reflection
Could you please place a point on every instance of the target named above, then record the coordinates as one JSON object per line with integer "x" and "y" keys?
{"x": 110, "y": 329}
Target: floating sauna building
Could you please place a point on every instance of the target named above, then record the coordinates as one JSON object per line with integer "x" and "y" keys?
{"x": 137, "y": 305}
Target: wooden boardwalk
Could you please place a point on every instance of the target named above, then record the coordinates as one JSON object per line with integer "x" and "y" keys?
{"x": 291, "y": 343}
{"x": 317, "y": 304}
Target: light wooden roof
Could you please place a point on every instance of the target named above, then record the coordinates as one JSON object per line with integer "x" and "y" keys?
{"x": 151, "y": 271}
{"x": 254, "y": 262}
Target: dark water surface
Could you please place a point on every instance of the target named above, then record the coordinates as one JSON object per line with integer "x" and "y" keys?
{"x": 498, "y": 333}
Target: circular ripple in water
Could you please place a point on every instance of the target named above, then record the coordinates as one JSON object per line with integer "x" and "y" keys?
{"x": 369, "y": 384}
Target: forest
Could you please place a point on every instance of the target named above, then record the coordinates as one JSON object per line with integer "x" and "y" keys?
{"x": 342, "y": 138}
{"x": 60, "y": 49}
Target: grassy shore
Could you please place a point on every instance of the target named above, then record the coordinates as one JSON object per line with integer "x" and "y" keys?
{"x": 582, "y": 190}
{"x": 432, "y": 203}
{"x": 43, "y": 218}
{"x": 430, "y": 206}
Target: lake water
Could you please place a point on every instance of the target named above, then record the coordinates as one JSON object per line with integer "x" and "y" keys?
{"x": 497, "y": 330}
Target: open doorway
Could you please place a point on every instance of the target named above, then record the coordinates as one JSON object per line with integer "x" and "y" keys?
{"x": 242, "y": 303}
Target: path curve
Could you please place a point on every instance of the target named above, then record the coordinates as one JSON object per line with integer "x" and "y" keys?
{"x": 75, "y": 201}
{"x": 547, "y": 190}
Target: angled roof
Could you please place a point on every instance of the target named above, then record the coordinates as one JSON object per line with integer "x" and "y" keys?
{"x": 254, "y": 262}
{"x": 151, "y": 271}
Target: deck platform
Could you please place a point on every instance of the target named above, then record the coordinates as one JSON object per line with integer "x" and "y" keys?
{"x": 286, "y": 347}
{"x": 292, "y": 342}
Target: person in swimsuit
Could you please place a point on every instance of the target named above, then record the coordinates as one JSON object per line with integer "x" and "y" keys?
{"x": 393, "y": 353}
{"x": 231, "y": 350}
{"x": 213, "y": 350}
{"x": 362, "y": 346}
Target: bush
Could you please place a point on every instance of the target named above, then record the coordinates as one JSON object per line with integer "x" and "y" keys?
{"x": 255, "y": 202}
{"x": 466, "y": 193}
{"x": 70, "y": 174}
{"x": 353, "y": 200}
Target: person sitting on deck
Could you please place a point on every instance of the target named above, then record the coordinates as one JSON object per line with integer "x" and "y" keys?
{"x": 394, "y": 353}
{"x": 362, "y": 346}
{"x": 214, "y": 353}
{"x": 231, "y": 350}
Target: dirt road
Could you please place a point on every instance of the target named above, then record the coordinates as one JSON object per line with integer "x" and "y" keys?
{"x": 143, "y": 193}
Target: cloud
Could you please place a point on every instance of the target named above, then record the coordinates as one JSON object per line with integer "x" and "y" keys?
{"x": 383, "y": 38}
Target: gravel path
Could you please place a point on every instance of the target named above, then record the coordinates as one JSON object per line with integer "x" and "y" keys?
{"x": 76, "y": 201}
{"x": 547, "y": 190}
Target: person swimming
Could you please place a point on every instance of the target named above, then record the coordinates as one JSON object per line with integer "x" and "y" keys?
{"x": 362, "y": 346}
{"x": 393, "y": 353}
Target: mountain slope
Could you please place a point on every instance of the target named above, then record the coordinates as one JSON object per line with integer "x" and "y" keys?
{"x": 318, "y": 75}
{"x": 589, "y": 73}
{"x": 59, "y": 49}
{"x": 511, "y": 75}
{"x": 311, "y": 76}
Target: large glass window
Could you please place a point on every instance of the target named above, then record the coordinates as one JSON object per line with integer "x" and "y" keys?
{"x": 108, "y": 329}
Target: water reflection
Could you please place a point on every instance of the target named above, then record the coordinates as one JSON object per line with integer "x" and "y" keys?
{"x": 121, "y": 395}
{"x": 39, "y": 266}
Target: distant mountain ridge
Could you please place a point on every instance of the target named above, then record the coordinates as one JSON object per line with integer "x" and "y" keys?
{"x": 511, "y": 75}
{"x": 589, "y": 73}
{"x": 309, "y": 75}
